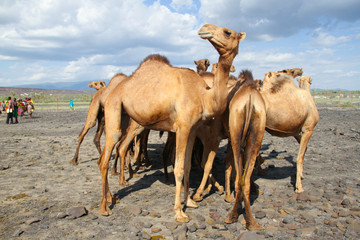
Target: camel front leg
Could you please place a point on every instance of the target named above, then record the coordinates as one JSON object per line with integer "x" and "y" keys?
{"x": 300, "y": 160}
{"x": 182, "y": 137}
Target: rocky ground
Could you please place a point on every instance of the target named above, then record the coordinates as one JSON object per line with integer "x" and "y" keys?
{"x": 43, "y": 196}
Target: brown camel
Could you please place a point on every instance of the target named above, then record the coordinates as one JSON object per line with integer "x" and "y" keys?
{"x": 185, "y": 102}
{"x": 294, "y": 72}
{"x": 97, "y": 84}
{"x": 96, "y": 113}
{"x": 290, "y": 111}
{"x": 208, "y": 137}
{"x": 202, "y": 65}
{"x": 247, "y": 116}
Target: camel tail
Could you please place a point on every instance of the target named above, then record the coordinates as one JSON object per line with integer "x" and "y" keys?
{"x": 248, "y": 114}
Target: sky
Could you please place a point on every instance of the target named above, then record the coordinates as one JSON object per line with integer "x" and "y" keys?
{"x": 49, "y": 41}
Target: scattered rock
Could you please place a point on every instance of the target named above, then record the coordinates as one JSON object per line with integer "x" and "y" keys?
{"x": 180, "y": 233}
{"x": 18, "y": 232}
{"x": 76, "y": 212}
{"x": 147, "y": 225}
{"x": 304, "y": 197}
{"x": 156, "y": 229}
{"x": 32, "y": 220}
{"x": 260, "y": 214}
{"x": 135, "y": 210}
{"x": 220, "y": 227}
{"x": 192, "y": 228}
{"x": 4, "y": 167}
{"x": 215, "y": 215}
{"x": 251, "y": 235}
{"x": 346, "y": 202}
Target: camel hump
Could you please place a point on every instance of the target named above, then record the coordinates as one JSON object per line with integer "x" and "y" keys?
{"x": 158, "y": 58}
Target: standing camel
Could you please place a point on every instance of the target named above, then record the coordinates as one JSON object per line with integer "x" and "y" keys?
{"x": 186, "y": 101}
{"x": 96, "y": 113}
{"x": 247, "y": 116}
{"x": 290, "y": 111}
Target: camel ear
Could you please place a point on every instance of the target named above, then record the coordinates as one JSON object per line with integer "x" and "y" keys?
{"x": 310, "y": 81}
{"x": 241, "y": 36}
{"x": 277, "y": 75}
{"x": 196, "y": 63}
{"x": 207, "y": 63}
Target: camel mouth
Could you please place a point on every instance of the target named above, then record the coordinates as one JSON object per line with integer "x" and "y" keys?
{"x": 209, "y": 36}
{"x": 205, "y": 35}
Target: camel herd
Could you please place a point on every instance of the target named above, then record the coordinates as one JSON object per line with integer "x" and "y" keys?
{"x": 200, "y": 109}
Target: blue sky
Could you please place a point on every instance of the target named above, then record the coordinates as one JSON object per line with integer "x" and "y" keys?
{"x": 45, "y": 41}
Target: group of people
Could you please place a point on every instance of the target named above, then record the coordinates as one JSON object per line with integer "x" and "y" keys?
{"x": 16, "y": 108}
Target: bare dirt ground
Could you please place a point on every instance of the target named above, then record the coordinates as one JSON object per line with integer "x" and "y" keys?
{"x": 43, "y": 196}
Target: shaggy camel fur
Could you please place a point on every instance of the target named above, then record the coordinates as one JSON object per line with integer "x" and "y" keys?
{"x": 294, "y": 72}
{"x": 247, "y": 117}
{"x": 187, "y": 100}
{"x": 290, "y": 111}
{"x": 96, "y": 113}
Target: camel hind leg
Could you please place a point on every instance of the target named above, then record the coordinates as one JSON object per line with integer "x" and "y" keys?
{"x": 90, "y": 123}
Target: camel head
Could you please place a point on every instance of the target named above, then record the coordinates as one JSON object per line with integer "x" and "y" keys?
{"x": 294, "y": 72}
{"x": 202, "y": 65}
{"x": 225, "y": 40}
{"x": 305, "y": 82}
{"x": 97, "y": 84}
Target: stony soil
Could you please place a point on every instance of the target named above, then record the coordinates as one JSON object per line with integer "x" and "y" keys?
{"x": 43, "y": 196}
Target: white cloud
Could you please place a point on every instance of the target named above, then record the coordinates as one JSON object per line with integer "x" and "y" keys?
{"x": 180, "y": 4}
{"x": 327, "y": 40}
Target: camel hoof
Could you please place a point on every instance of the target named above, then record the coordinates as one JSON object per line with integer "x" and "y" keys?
{"x": 105, "y": 212}
{"x": 182, "y": 217}
{"x": 197, "y": 198}
{"x": 191, "y": 203}
{"x": 136, "y": 175}
{"x": 74, "y": 162}
{"x": 299, "y": 190}
{"x": 231, "y": 218}
{"x": 123, "y": 182}
{"x": 253, "y": 227}
{"x": 229, "y": 198}
{"x": 221, "y": 190}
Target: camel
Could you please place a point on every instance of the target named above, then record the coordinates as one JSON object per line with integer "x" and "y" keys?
{"x": 294, "y": 72}
{"x": 97, "y": 84}
{"x": 96, "y": 113}
{"x": 186, "y": 100}
{"x": 247, "y": 117}
{"x": 202, "y": 65}
{"x": 208, "y": 137}
{"x": 305, "y": 82}
{"x": 290, "y": 111}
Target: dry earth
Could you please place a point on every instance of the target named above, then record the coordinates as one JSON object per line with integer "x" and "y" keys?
{"x": 42, "y": 196}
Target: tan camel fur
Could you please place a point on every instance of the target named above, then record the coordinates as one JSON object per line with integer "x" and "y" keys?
{"x": 305, "y": 82}
{"x": 294, "y": 72}
{"x": 247, "y": 116}
{"x": 185, "y": 102}
{"x": 290, "y": 111}
{"x": 209, "y": 134}
{"x": 96, "y": 113}
{"x": 97, "y": 84}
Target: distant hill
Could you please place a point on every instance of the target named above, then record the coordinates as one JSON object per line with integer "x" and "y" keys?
{"x": 60, "y": 85}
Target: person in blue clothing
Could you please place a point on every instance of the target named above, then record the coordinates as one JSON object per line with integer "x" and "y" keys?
{"x": 71, "y": 105}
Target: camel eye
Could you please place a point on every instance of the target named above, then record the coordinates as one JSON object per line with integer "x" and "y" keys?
{"x": 227, "y": 32}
